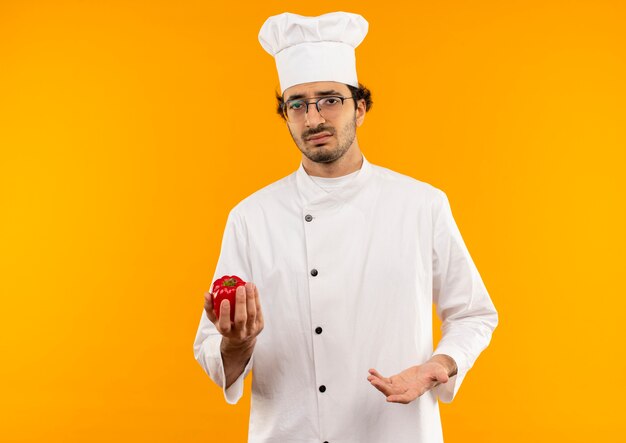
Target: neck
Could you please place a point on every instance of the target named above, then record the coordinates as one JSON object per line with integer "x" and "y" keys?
{"x": 350, "y": 162}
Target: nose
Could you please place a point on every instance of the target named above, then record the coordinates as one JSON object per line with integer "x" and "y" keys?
{"x": 312, "y": 116}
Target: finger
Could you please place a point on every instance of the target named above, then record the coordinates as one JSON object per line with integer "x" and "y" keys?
{"x": 208, "y": 307}
{"x": 208, "y": 301}
{"x": 375, "y": 373}
{"x": 402, "y": 398}
{"x": 408, "y": 396}
{"x": 384, "y": 387}
{"x": 250, "y": 305}
{"x": 259, "y": 311}
{"x": 240, "y": 309}
{"x": 224, "y": 321}
{"x": 391, "y": 387}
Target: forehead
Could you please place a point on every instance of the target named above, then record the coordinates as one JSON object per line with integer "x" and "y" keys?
{"x": 315, "y": 89}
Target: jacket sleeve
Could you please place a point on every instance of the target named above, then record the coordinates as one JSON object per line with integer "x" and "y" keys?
{"x": 233, "y": 260}
{"x": 462, "y": 302}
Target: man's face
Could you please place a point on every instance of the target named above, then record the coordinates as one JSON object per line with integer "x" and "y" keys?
{"x": 324, "y": 140}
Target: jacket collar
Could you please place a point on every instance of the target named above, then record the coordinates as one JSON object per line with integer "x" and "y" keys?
{"x": 314, "y": 197}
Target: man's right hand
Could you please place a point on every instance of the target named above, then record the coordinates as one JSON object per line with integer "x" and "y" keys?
{"x": 240, "y": 334}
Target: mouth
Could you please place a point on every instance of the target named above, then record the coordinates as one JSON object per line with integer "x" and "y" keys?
{"x": 319, "y": 138}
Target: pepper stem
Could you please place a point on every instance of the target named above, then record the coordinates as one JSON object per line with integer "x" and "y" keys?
{"x": 230, "y": 282}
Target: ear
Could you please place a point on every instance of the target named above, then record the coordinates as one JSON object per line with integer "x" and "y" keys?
{"x": 360, "y": 112}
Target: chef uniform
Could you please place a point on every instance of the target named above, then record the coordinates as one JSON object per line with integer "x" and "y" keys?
{"x": 347, "y": 271}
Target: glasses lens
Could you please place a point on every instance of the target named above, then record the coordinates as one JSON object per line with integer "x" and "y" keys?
{"x": 330, "y": 107}
{"x": 295, "y": 110}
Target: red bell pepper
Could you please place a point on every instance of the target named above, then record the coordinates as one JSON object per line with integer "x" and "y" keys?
{"x": 225, "y": 288}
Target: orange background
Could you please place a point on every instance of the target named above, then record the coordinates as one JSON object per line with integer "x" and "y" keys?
{"x": 129, "y": 129}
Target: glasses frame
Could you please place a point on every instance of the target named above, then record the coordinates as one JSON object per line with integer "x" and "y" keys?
{"x": 310, "y": 101}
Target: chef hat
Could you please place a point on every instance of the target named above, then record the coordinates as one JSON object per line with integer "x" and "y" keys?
{"x": 311, "y": 49}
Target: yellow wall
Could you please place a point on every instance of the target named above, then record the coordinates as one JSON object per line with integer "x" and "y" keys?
{"x": 128, "y": 129}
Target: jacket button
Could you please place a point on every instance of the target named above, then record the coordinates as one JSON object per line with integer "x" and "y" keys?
{"x": 318, "y": 330}
{"x": 308, "y": 217}
{"x": 313, "y": 272}
{"x": 322, "y": 388}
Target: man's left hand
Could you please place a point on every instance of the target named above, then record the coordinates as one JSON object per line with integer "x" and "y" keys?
{"x": 414, "y": 381}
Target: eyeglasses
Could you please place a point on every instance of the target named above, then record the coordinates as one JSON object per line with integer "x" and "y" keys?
{"x": 328, "y": 106}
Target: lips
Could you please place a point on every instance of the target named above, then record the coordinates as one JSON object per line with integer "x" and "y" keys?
{"x": 322, "y": 136}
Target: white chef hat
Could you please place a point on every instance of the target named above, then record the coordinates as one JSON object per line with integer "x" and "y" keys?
{"x": 311, "y": 49}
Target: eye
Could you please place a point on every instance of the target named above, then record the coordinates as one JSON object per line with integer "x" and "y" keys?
{"x": 295, "y": 105}
{"x": 330, "y": 101}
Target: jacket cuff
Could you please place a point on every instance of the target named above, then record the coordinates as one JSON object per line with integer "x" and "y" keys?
{"x": 234, "y": 392}
{"x": 447, "y": 391}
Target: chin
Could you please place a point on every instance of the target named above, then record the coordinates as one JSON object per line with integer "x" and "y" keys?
{"x": 325, "y": 157}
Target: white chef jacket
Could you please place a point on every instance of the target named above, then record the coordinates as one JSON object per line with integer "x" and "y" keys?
{"x": 346, "y": 281}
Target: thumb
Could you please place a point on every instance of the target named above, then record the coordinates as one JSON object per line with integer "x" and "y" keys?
{"x": 442, "y": 375}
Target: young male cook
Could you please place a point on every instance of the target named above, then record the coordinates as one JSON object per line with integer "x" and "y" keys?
{"x": 343, "y": 260}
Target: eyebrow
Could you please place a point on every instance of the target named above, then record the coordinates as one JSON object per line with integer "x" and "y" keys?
{"x": 318, "y": 94}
